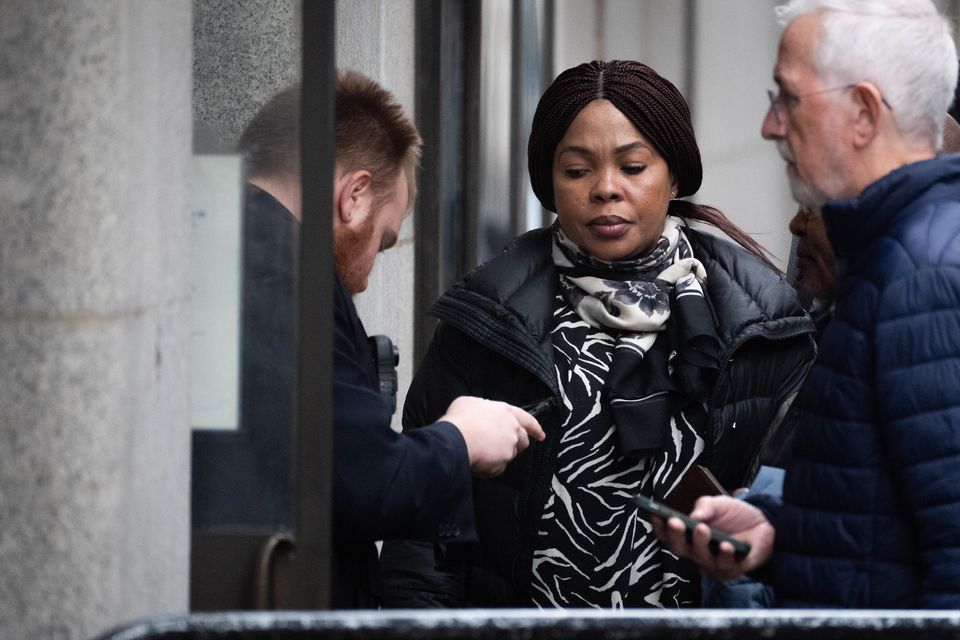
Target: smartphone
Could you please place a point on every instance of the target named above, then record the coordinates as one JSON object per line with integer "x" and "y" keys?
{"x": 539, "y": 409}
{"x": 740, "y": 548}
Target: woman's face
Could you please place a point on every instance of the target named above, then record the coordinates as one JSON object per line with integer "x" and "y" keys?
{"x": 610, "y": 185}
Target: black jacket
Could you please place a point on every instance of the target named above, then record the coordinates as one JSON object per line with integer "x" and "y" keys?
{"x": 494, "y": 341}
{"x": 415, "y": 485}
{"x": 385, "y": 484}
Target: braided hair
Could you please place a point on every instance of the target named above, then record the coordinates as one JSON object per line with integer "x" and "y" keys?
{"x": 654, "y": 106}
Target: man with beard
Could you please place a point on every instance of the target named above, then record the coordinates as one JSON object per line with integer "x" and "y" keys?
{"x": 814, "y": 276}
{"x": 385, "y": 484}
{"x": 814, "y": 262}
{"x": 870, "y": 514}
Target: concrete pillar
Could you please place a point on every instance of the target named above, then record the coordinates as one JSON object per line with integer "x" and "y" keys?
{"x": 244, "y": 52}
{"x": 94, "y": 433}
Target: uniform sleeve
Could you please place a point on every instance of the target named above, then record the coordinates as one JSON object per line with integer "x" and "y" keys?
{"x": 388, "y": 485}
{"x": 917, "y": 346}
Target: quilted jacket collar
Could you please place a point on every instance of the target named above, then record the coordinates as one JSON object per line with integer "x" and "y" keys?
{"x": 519, "y": 285}
{"x": 853, "y": 223}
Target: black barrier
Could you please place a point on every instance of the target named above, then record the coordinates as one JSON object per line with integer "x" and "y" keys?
{"x": 522, "y": 624}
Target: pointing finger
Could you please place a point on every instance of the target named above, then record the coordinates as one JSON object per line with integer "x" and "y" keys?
{"x": 529, "y": 423}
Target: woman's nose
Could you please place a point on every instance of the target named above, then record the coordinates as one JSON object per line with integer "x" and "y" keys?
{"x": 607, "y": 187}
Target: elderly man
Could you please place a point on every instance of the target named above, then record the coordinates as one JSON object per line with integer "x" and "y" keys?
{"x": 870, "y": 515}
{"x": 814, "y": 276}
{"x": 815, "y": 262}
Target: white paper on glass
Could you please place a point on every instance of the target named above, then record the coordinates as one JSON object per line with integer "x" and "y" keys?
{"x": 215, "y": 208}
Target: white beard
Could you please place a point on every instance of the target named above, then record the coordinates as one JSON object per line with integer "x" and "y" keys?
{"x": 805, "y": 192}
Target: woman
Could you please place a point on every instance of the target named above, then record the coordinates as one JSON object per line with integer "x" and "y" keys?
{"x": 647, "y": 345}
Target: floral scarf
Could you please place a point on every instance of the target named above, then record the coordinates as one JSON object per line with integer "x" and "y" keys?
{"x": 666, "y": 349}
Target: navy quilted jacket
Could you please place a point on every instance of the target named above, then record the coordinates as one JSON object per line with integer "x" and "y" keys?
{"x": 871, "y": 508}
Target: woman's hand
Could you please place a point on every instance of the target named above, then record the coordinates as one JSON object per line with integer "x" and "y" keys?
{"x": 736, "y": 517}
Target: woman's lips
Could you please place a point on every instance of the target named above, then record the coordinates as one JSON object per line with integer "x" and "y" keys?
{"x": 609, "y": 226}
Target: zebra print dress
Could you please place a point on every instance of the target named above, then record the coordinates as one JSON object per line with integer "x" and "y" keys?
{"x": 594, "y": 548}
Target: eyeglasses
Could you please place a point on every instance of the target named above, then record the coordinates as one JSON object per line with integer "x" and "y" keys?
{"x": 778, "y": 101}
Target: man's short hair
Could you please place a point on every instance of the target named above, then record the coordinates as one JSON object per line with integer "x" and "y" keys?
{"x": 904, "y": 47}
{"x": 270, "y": 143}
{"x": 375, "y": 134}
{"x": 372, "y": 132}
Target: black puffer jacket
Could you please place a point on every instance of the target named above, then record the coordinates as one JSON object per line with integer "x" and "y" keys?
{"x": 494, "y": 341}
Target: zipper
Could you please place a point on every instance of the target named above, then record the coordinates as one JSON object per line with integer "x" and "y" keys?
{"x": 725, "y": 365}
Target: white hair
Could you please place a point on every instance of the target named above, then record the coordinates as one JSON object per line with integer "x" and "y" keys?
{"x": 904, "y": 47}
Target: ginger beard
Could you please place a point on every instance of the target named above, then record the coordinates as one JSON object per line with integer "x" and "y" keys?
{"x": 350, "y": 250}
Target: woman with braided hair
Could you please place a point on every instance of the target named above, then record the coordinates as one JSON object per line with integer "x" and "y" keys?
{"x": 647, "y": 345}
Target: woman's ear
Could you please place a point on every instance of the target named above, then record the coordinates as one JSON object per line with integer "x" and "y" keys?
{"x": 353, "y": 196}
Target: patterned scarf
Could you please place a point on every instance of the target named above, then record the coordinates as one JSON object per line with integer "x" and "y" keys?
{"x": 666, "y": 352}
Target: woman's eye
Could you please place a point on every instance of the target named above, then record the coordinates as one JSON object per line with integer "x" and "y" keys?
{"x": 575, "y": 173}
{"x": 633, "y": 169}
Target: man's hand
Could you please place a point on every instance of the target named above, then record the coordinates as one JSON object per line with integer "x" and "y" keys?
{"x": 736, "y": 517}
{"x": 495, "y": 432}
